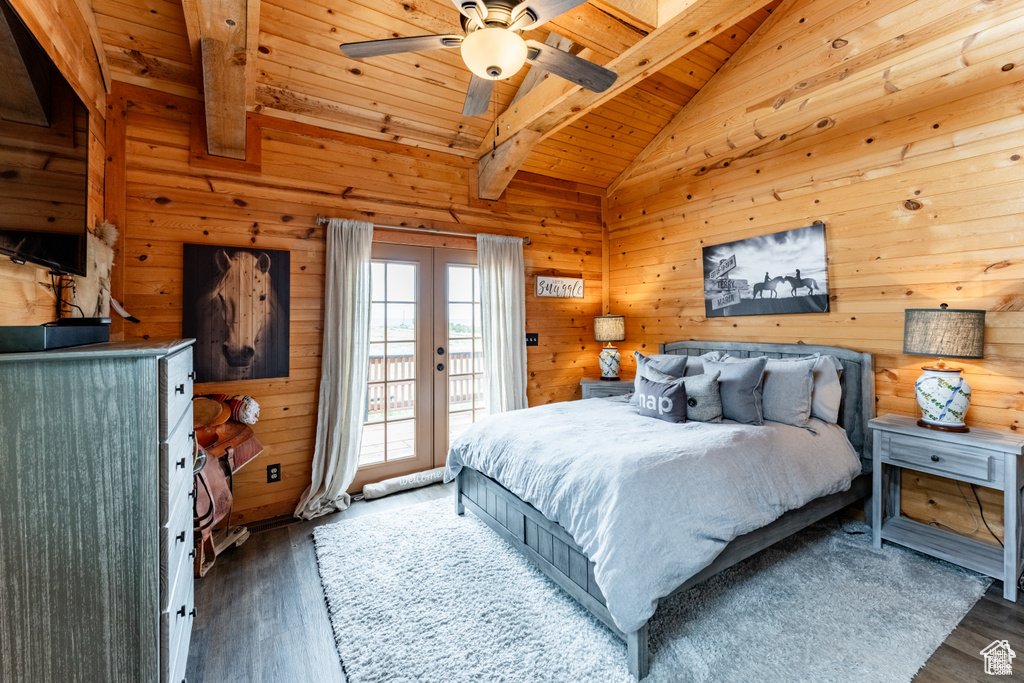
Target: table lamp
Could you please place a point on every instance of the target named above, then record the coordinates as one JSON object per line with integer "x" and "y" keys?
{"x": 609, "y": 328}
{"x": 942, "y": 393}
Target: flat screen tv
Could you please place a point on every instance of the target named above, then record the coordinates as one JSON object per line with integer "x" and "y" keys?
{"x": 44, "y": 150}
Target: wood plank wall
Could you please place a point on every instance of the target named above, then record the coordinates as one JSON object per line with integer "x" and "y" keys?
{"x": 305, "y": 171}
{"x": 26, "y": 297}
{"x": 899, "y": 125}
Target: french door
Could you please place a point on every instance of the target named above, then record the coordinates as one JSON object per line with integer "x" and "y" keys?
{"x": 425, "y": 380}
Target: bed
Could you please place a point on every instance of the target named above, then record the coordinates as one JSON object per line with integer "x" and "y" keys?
{"x": 555, "y": 551}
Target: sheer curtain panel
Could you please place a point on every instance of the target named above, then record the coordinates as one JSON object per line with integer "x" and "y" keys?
{"x": 503, "y": 313}
{"x": 344, "y": 368}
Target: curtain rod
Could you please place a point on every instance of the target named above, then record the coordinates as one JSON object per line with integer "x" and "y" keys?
{"x": 321, "y": 220}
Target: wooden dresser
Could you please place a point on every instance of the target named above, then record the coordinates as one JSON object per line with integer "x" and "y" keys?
{"x": 96, "y": 513}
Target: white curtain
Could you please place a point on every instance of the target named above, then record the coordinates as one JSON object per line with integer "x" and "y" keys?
{"x": 503, "y": 310}
{"x": 344, "y": 368}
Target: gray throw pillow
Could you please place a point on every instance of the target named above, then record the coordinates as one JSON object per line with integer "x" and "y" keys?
{"x": 676, "y": 366}
{"x": 788, "y": 386}
{"x": 663, "y": 400}
{"x": 703, "y": 401}
{"x": 740, "y": 386}
{"x": 827, "y": 394}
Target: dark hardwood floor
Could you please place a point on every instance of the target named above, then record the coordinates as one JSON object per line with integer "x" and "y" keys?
{"x": 262, "y": 619}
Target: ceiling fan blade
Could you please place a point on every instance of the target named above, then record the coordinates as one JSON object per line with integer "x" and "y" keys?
{"x": 570, "y": 67}
{"x": 478, "y": 96}
{"x": 394, "y": 46}
{"x": 543, "y": 10}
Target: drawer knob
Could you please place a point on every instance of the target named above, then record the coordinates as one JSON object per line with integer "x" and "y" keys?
{"x": 192, "y": 375}
{"x": 180, "y": 389}
{"x": 180, "y": 464}
{"x": 192, "y": 494}
{"x": 180, "y": 538}
{"x": 181, "y": 612}
{"x": 936, "y": 458}
{"x": 192, "y": 612}
{"x": 192, "y": 554}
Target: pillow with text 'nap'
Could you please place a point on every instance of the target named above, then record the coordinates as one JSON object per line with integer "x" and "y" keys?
{"x": 676, "y": 366}
{"x": 703, "y": 400}
{"x": 740, "y": 386}
{"x": 663, "y": 400}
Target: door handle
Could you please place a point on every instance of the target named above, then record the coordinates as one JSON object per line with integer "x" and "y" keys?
{"x": 440, "y": 350}
{"x": 440, "y": 367}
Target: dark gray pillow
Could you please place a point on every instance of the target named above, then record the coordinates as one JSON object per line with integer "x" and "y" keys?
{"x": 703, "y": 400}
{"x": 663, "y": 400}
{"x": 740, "y": 386}
{"x": 788, "y": 388}
{"x": 676, "y": 366}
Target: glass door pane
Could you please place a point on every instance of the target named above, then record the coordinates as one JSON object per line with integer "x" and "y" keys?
{"x": 465, "y": 355}
{"x": 398, "y": 421}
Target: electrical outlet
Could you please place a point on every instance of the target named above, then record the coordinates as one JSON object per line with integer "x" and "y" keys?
{"x": 273, "y": 473}
{"x": 532, "y": 339}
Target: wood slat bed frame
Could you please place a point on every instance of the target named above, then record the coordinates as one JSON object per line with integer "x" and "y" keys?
{"x": 553, "y": 550}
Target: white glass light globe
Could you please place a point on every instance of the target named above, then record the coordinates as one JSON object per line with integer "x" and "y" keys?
{"x": 494, "y": 53}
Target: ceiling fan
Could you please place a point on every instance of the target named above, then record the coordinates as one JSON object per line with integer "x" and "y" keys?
{"x": 493, "y": 48}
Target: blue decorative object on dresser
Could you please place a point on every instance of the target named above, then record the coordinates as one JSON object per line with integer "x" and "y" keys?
{"x": 609, "y": 328}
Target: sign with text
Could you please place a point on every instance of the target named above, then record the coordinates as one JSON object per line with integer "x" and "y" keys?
{"x": 723, "y": 267}
{"x": 560, "y": 287}
{"x": 726, "y": 299}
{"x": 725, "y": 284}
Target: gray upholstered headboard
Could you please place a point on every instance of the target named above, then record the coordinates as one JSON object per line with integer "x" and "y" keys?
{"x": 858, "y": 379}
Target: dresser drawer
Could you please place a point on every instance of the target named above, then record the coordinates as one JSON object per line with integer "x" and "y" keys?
{"x": 175, "y": 389}
{"x": 176, "y": 631}
{"x": 943, "y": 459}
{"x": 176, "y": 465}
{"x": 605, "y": 389}
{"x": 175, "y": 545}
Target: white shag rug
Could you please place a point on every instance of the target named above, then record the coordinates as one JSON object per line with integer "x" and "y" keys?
{"x": 419, "y": 594}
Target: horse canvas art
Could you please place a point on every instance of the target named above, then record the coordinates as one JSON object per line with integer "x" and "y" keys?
{"x": 236, "y": 306}
{"x": 784, "y": 272}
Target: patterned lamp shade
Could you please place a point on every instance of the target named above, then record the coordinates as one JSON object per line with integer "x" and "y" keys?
{"x": 942, "y": 392}
{"x": 944, "y": 332}
{"x": 609, "y": 328}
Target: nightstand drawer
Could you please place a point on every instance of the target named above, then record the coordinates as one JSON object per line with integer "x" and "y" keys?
{"x": 941, "y": 458}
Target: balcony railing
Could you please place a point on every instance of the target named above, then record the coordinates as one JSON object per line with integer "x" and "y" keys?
{"x": 399, "y": 395}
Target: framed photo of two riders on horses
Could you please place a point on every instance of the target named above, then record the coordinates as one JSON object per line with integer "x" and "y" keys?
{"x": 784, "y": 272}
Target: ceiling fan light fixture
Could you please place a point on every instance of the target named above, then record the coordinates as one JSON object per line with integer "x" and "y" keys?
{"x": 494, "y": 53}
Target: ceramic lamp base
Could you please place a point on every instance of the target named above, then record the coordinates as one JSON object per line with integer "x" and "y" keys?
{"x": 944, "y": 397}
{"x": 609, "y": 360}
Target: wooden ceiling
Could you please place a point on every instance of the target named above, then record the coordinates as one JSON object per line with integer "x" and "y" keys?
{"x": 415, "y": 99}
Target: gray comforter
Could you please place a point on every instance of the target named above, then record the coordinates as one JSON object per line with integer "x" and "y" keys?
{"x": 651, "y": 502}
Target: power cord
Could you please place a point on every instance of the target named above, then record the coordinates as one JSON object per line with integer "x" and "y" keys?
{"x": 974, "y": 490}
{"x": 58, "y": 291}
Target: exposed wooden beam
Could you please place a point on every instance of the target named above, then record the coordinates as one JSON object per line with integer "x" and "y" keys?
{"x": 690, "y": 109}
{"x": 24, "y": 82}
{"x": 497, "y": 168}
{"x": 85, "y": 7}
{"x": 556, "y": 103}
{"x": 601, "y": 31}
{"x": 642, "y": 13}
{"x": 223, "y": 35}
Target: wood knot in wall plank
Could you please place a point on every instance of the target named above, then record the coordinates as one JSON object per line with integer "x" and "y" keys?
{"x": 912, "y": 205}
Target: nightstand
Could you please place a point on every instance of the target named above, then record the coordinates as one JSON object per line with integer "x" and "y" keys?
{"x": 982, "y": 456}
{"x": 597, "y": 388}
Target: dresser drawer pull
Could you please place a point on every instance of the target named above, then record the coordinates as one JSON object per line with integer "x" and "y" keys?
{"x": 180, "y": 389}
{"x": 180, "y": 538}
{"x": 180, "y": 464}
{"x": 192, "y": 494}
{"x": 192, "y": 554}
{"x": 181, "y": 612}
{"x": 192, "y": 375}
{"x": 192, "y": 613}
{"x": 936, "y": 458}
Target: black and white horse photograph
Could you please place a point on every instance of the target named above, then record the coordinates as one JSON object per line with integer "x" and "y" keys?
{"x": 780, "y": 273}
{"x": 235, "y": 305}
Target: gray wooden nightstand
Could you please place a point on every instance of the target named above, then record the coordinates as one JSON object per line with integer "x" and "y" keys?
{"x": 593, "y": 387}
{"x": 982, "y": 456}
